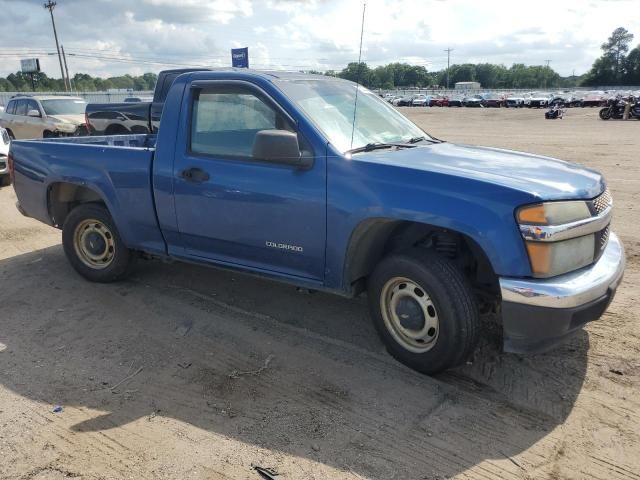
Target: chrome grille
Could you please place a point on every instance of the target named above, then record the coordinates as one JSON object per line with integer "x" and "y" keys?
{"x": 604, "y": 238}
{"x": 601, "y": 203}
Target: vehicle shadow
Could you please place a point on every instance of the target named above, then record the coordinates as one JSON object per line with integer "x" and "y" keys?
{"x": 263, "y": 364}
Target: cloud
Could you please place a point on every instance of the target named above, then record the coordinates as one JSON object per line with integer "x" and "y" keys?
{"x": 110, "y": 37}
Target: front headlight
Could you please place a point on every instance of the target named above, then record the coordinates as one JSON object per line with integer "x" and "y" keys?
{"x": 65, "y": 127}
{"x": 550, "y": 259}
{"x": 562, "y": 236}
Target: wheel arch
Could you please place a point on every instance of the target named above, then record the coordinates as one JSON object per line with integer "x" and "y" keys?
{"x": 62, "y": 197}
{"x": 375, "y": 238}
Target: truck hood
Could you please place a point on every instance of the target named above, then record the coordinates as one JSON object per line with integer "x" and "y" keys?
{"x": 71, "y": 119}
{"x": 543, "y": 177}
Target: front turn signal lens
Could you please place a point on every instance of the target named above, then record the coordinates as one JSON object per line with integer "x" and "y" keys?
{"x": 533, "y": 215}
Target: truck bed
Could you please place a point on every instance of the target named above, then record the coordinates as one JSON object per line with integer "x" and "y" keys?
{"x": 118, "y": 168}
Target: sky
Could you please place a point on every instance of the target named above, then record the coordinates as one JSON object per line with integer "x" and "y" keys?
{"x": 114, "y": 37}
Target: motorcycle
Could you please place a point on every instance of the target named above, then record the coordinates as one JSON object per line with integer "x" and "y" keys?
{"x": 615, "y": 109}
{"x": 556, "y": 111}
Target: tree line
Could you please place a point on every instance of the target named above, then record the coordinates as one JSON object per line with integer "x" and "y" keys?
{"x": 402, "y": 75}
{"x": 618, "y": 65}
{"x": 81, "y": 82}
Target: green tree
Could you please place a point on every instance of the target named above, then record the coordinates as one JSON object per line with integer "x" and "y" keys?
{"x": 610, "y": 68}
{"x": 632, "y": 67}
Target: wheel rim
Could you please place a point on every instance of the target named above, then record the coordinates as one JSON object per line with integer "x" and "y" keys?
{"x": 409, "y": 314}
{"x": 94, "y": 244}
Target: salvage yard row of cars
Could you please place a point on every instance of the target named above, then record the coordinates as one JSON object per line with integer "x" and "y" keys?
{"x": 508, "y": 100}
{"x": 45, "y": 116}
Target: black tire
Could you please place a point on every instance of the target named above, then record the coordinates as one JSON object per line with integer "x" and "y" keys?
{"x": 604, "y": 114}
{"x": 5, "y": 180}
{"x": 456, "y": 314}
{"x": 121, "y": 259}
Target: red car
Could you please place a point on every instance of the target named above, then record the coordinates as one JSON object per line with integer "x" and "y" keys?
{"x": 438, "y": 101}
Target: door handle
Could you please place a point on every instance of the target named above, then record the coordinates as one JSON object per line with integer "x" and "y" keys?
{"x": 195, "y": 175}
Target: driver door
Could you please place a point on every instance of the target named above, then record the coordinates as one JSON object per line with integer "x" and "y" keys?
{"x": 232, "y": 208}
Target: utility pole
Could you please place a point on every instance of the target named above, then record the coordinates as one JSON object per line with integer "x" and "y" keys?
{"x": 64, "y": 57}
{"x": 50, "y": 6}
{"x": 545, "y": 73}
{"x": 448, "y": 50}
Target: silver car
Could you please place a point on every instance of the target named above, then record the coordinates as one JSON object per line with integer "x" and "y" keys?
{"x": 5, "y": 141}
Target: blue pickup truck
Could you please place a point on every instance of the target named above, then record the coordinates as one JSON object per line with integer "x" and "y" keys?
{"x": 314, "y": 181}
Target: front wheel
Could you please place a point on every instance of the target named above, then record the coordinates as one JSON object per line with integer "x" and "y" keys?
{"x": 423, "y": 309}
{"x": 605, "y": 114}
{"x": 93, "y": 245}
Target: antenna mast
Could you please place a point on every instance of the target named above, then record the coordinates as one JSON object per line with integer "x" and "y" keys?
{"x": 355, "y": 105}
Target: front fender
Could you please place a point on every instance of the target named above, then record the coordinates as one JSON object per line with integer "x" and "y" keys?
{"x": 480, "y": 210}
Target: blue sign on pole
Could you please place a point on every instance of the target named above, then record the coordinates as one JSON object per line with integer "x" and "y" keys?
{"x": 240, "y": 57}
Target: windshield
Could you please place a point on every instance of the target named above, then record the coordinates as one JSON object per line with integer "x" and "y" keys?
{"x": 330, "y": 105}
{"x": 64, "y": 106}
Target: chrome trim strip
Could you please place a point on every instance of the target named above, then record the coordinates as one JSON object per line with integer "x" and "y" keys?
{"x": 556, "y": 233}
{"x": 570, "y": 289}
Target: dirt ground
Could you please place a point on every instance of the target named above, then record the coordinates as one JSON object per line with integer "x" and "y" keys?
{"x": 184, "y": 372}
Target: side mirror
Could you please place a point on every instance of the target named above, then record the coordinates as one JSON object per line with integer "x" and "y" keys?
{"x": 279, "y": 146}
{"x": 33, "y": 113}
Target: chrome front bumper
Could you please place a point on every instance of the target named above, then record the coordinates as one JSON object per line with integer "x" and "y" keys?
{"x": 537, "y": 313}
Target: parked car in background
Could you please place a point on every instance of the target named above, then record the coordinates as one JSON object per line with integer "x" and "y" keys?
{"x": 44, "y": 116}
{"x": 472, "y": 101}
{"x": 454, "y": 101}
{"x": 492, "y": 100}
{"x": 438, "y": 101}
{"x": 421, "y": 100}
{"x": 150, "y": 111}
{"x": 268, "y": 173}
{"x": 594, "y": 99}
{"x": 537, "y": 100}
{"x": 138, "y": 99}
{"x": 404, "y": 101}
{"x": 105, "y": 122}
{"x": 514, "y": 101}
{"x": 5, "y": 141}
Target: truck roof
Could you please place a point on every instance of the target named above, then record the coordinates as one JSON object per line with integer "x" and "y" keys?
{"x": 267, "y": 74}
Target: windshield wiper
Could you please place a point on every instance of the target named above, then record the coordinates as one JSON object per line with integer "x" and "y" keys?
{"x": 424, "y": 139}
{"x": 369, "y": 147}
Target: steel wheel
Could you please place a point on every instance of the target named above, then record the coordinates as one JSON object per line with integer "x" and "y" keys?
{"x": 94, "y": 244}
{"x": 409, "y": 314}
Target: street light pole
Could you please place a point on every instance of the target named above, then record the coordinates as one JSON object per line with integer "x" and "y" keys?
{"x": 50, "y": 6}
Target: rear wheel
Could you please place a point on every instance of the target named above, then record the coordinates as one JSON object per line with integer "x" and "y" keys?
{"x": 5, "y": 180}
{"x": 93, "y": 245}
{"x": 423, "y": 309}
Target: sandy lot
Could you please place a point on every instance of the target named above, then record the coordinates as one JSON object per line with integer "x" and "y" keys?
{"x": 184, "y": 372}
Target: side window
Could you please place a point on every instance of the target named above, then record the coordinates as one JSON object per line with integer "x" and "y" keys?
{"x": 21, "y": 107}
{"x": 32, "y": 105}
{"x": 11, "y": 107}
{"x": 225, "y": 120}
